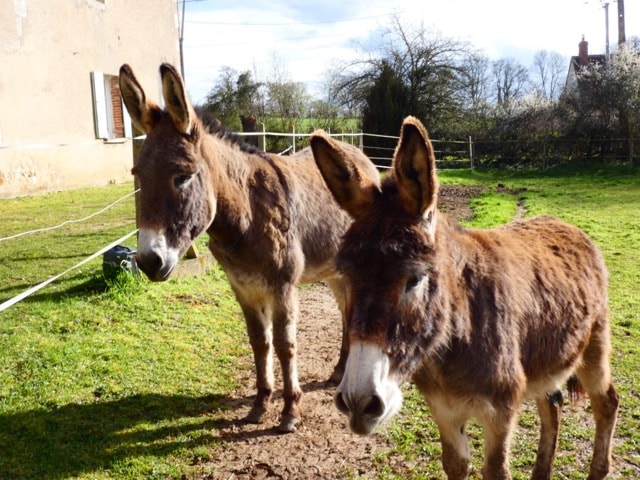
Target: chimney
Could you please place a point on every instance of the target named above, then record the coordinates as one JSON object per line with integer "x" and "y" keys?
{"x": 583, "y": 52}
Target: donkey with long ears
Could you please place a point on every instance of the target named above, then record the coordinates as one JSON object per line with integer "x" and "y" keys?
{"x": 271, "y": 220}
{"x": 479, "y": 320}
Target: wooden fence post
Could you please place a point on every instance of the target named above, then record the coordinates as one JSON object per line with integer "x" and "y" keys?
{"x": 293, "y": 143}
{"x": 136, "y": 143}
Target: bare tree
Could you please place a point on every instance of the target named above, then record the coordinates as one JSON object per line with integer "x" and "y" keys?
{"x": 476, "y": 92}
{"x": 330, "y": 86}
{"x": 510, "y": 79}
{"x": 547, "y": 74}
{"x": 427, "y": 64}
{"x": 286, "y": 100}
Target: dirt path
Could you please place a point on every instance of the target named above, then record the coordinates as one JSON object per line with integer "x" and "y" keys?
{"x": 517, "y": 194}
{"x": 323, "y": 447}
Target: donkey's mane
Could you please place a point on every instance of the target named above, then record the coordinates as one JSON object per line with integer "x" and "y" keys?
{"x": 214, "y": 127}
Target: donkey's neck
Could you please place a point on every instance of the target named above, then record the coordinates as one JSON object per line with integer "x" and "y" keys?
{"x": 458, "y": 245}
{"x": 237, "y": 178}
{"x": 471, "y": 272}
{"x": 229, "y": 165}
{"x": 456, "y": 250}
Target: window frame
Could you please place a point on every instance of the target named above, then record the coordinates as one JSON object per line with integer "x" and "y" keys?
{"x": 105, "y": 92}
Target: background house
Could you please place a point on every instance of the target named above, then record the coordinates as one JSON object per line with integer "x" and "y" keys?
{"x": 62, "y": 123}
{"x": 582, "y": 60}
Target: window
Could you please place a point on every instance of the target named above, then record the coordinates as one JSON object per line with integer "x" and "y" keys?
{"x": 111, "y": 118}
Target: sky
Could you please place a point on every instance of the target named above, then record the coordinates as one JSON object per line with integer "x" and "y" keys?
{"x": 307, "y": 38}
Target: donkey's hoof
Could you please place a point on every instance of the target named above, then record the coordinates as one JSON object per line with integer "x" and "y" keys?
{"x": 256, "y": 415}
{"x": 289, "y": 424}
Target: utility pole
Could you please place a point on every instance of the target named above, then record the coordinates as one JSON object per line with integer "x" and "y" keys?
{"x": 606, "y": 27}
{"x": 181, "y": 38}
{"x": 621, "y": 35}
{"x": 192, "y": 252}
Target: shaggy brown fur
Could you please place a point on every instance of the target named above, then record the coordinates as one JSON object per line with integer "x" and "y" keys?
{"x": 272, "y": 223}
{"x": 478, "y": 319}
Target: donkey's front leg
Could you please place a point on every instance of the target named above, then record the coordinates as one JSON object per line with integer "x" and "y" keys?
{"x": 285, "y": 317}
{"x": 498, "y": 428}
{"x": 456, "y": 454}
{"x": 339, "y": 289}
{"x": 260, "y": 333}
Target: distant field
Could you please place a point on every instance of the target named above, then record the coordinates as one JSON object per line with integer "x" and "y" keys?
{"x": 308, "y": 125}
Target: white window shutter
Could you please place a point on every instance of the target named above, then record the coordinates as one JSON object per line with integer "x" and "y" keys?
{"x": 101, "y": 120}
{"x": 126, "y": 120}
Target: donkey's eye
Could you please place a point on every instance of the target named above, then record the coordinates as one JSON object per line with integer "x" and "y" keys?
{"x": 412, "y": 282}
{"x": 181, "y": 181}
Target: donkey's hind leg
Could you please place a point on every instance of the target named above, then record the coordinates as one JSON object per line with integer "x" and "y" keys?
{"x": 285, "y": 317}
{"x": 595, "y": 377}
{"x": 549, "y": 409}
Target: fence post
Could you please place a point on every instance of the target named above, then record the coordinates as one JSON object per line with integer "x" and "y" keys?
{"x": 471, "y": 152}
{"x": 136, "y": 143}
{"x": 293, "y": 129}
{"x": 263, "y": 138}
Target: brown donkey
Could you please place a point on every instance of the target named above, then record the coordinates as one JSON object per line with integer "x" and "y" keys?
{"x": 479, "y": 320}
{"x": 271, "y": 221}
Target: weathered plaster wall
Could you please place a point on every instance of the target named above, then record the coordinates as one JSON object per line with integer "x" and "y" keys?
{"x": 48, "y": 49}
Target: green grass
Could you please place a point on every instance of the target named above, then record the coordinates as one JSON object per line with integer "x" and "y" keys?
{"x": 31, "y": 259}
{"x": 122, "y": 380}
{"x": 106, "y": 379}
{"x": 116, "y": 384}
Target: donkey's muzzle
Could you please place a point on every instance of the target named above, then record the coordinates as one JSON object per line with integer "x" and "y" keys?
{"x": 367, "y": 394}
{"x": 155, "y": 257}
{"x": 364, "y": 414}
{"x": 154, "y": 266}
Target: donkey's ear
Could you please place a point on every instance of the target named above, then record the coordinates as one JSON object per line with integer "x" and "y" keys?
{"x": 350, "y": 185}
{"x": 414, "y": 165}
{"x": 175, "y": 99}
{"x": 144, "y": 114}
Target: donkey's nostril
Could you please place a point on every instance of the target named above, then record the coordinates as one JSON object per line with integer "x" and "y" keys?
{"x": 340, "y": 403}
{"x": 152, "y": 264}
{"x": 375, "y": 407}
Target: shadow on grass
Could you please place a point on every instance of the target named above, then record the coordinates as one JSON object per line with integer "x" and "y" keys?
{"x": 76, "y": 439}
{"x": 79, "y": 285}
{"x": 73, "y": 439}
